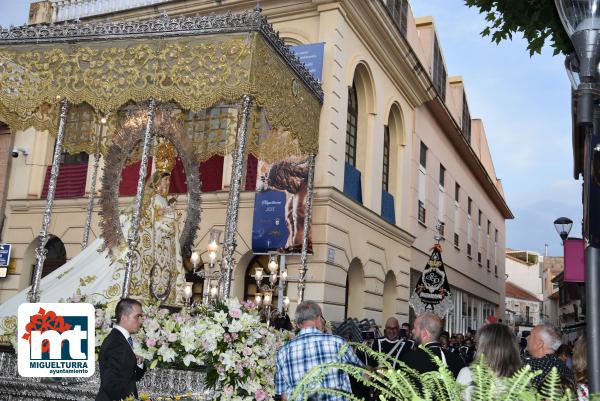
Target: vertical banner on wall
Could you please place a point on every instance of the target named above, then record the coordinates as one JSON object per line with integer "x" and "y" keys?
{"x": 278, "y": 221}
{"x": 574, "y": 260}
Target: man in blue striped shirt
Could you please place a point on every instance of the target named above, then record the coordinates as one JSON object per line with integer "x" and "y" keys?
{"x": 312, "y": 347}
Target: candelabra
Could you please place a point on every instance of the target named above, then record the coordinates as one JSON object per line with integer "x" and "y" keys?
{"x": 276, "y": 283}
{"x": 207, "y": 272}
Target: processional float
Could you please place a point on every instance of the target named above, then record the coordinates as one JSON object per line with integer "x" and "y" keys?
{"x": 126, "y": 82}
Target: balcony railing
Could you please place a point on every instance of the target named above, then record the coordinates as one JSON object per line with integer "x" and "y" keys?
{"x": 523, "y": 320}
{"x": 63, "y": 10}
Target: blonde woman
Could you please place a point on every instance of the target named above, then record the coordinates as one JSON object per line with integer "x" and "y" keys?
{"x": 498, "y": 346}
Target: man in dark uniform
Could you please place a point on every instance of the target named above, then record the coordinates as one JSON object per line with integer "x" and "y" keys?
{"x": 426, "y": 332}
{"x": 120, "y": 368}
{"x": 391, "y": 344}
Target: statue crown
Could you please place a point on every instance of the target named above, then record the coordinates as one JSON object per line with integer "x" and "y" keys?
{"x": 166, "y": 156}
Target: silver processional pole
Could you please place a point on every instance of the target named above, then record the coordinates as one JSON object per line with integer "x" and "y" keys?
{"x": 229, "y": 243}
{"x": 132, "y": 239}
{"x": 41, "y": 251}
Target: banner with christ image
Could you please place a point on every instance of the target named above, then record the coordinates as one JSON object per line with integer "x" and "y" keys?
{"x": 432, "y": 292}
{"x": 279, "y": 209}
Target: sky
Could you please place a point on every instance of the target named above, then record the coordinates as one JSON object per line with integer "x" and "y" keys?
{"x": 524, "y": 103}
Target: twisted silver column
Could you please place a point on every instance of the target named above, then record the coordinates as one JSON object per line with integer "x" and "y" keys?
{"x": 90, "y": 207}
{"x": 40, "y": 252}
{"x": 307, "y": 221}
{"x": 132, "y": 239}
{"x": 233, "y": 204}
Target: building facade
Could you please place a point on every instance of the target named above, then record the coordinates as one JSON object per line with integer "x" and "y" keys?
{"x": 380, "y": 106}
{"x": 522, "y": 308}
{"x": 551, "y": 268}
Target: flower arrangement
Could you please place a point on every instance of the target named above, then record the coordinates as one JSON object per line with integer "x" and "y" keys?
{"x": 227, "y": 338}
{"x": 239, "y": 352}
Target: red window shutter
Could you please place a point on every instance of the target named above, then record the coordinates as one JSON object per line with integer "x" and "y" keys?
{"x": 211, "y": 174}
{"x": 70, "y": 183}
{"x": 129, "y": 178}
{"x": 251, "y": 171}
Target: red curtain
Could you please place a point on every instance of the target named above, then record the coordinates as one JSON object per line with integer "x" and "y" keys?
{"x": 178, "y": 179}
{"x": 129, "y": 178}
{"x": 70, "y": 183}
{"x": 251, "y": 172}
{"x": 211, "y": 174}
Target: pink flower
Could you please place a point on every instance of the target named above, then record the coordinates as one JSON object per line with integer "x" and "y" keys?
{"x": 172, "y": 337}
{"x": 234, "y": 336}
{"x": 247, "y": 351}
{"x": 76, "y": 298}
{"x": 227, "y": 337}
{"x": 260, "y": 394}
{"x": 228, "y": 390}
{"x": 235, "y": 313}
{"x": 151, "y": 342}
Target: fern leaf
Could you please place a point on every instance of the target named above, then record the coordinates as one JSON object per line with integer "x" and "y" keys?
{"x": 519, "y": 384}
{"x": 551, "y": 388}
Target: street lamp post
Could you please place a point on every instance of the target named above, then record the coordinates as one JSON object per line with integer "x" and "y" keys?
{"x": 563, "y": 227}
{"x": 581, "y": 19}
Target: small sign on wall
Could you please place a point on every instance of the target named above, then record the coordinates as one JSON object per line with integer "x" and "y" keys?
{"x": 4, "y": 259}
{"x": 5, "y": 254}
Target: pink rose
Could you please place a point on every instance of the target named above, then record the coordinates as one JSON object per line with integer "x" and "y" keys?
{"x": 247, "y": 351}
{"x": 228, "y": 390}
{"x": 235, "y": 313}
{"x": 151, "y": 342}
{"x": 260, "y": 394}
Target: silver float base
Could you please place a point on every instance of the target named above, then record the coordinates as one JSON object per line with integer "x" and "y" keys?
{"x": 156, "y": 382}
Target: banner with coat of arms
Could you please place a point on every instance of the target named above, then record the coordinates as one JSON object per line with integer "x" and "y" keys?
{"x": 432, "y": 292}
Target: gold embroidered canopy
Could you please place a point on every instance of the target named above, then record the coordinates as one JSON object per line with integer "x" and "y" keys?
{"x": 202, "y": 64}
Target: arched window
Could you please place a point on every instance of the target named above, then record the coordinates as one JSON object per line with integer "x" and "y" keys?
{"x": 385, "y": 177}
{"x": 56, "y": 256}
{"x": 351, "y": 126}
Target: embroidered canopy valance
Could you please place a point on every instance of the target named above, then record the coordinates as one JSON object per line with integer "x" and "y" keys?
{"x": 203, "y": 65}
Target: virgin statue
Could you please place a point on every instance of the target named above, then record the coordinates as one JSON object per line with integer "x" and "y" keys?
{"x": 158, "y": 273}
{"x": 96, "y": 274}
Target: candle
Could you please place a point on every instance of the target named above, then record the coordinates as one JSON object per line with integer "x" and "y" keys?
{"x": 258, "y": 299}
{"x": 195, "y": 259}
{"x": 213, "y": 291}
{"x": 267, "y": 299}
{"x": 187, "y": 291}
{"x": 273, "y": 266}
{"x": 213, "y": 246}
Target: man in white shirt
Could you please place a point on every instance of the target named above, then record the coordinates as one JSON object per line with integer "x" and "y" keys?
{"x": 120, "y": 368}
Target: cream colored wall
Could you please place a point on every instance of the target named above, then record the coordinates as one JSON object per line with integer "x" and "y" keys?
{"x": 463, "y": 272}
{"x": 344, "y": 53}
{"x": 527, "y": 277}
{"x": 454, "y": 98}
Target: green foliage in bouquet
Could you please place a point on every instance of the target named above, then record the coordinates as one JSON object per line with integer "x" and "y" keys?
{"x": 405, "y": 384}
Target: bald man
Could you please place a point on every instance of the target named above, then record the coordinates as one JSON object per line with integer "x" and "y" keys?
{"x": 426, "y": 332}
{"x": 391, "y": 344}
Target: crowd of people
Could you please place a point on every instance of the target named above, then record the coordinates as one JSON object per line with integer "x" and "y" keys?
{"x": 495, "y": 342}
